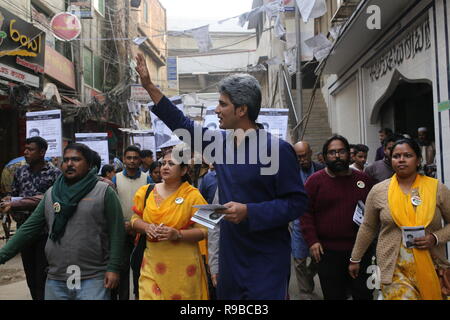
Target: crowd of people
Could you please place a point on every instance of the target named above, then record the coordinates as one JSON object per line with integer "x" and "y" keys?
{"x": 333, "y": 217}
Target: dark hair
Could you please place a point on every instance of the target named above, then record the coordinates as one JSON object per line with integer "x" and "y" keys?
{"x": 361, "y": 148}
{"x": 391, "y": 138}
{"x": 96, "y": 160}
{"x": 183, "y": 165}
{"x": 84, "y": 150}
{"x": 413, "y": 145}
{"x": 40, "y": 142}
{"x": 331, "y": 139}
{"x": 146, "y": 153}
{"x": 132, "y": 149}
{"x": 107, "y": 168}
{"x": 386, "y": 131}
{"x": 153, "y": 166}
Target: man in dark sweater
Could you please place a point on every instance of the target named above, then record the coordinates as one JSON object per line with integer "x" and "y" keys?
{"x": 328, "y": 226}
{"x": 382, "y": 169}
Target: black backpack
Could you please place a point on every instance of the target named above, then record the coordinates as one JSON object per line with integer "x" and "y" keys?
{"x": 138, "y": 252}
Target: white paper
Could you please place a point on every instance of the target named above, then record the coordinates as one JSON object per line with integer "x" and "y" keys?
{"x": 273, "y": 9}
{"x": 411, "y": 233}
{"x": 311, "y": 9}
{"x": 97, "y": 142}
{"x": 211, "y": 119}
{"x": 139, "y": 40}
{"x": 358, "y": 215}
{"x": 207, "y": 218}
{"x": 46, "y": 124}
{"x": 320, "y": 46}
{"x": 275, "y": 121}
{"x": 210, "y": 206}
{"x": 16, "y": 199}
{"x": 145, "y": 140}
{"x": 279, "y": 29}
{"x": 201, "y": 35}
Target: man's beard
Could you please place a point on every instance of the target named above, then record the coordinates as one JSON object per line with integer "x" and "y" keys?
{"x": 338, "y": 166}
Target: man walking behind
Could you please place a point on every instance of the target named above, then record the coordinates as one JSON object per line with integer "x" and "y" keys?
{"x": 328, "y": 225}
{"x": 30, "y": 183}
{"x": 304, "y": 271}
{"x": 86, "y": 233}
{"x": 127, "y": 183}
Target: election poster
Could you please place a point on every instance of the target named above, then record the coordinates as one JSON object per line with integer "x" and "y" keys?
{"x": 275, "y": 121}
{"x": 144, "y": 140}
{"x": 46, "y": 124}
{"x": 97, "y": 142}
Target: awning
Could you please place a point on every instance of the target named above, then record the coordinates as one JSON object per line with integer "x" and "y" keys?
{"x": 70, "y": 100}
{"x": 356, "y": 37}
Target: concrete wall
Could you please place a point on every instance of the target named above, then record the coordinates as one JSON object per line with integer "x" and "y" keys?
{"x": 347, "y": 113}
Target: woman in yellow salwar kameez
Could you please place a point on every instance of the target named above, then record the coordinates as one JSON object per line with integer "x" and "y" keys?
{"x": 172, "y": 267}
{"x": 407, "y": 200}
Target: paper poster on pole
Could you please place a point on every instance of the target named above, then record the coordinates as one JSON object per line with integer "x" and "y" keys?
{"x": 144, "y": 140}
{"x": 211, "y": 119}
{"x": 275, "y": 121}
{"x": 162, "y": 132}
{"x": 97, "y": 142}
{"x": 46, "y": 124}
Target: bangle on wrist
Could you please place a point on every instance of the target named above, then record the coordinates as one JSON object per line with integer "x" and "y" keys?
{"x": 354, "y": 261}
{"x": 179, "y": 235}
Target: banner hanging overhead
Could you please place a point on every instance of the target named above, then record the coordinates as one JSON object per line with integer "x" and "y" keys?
{"x": 275, "y": 121}
{"x": 144, "y": 140}
{"x": 46, "y": 124}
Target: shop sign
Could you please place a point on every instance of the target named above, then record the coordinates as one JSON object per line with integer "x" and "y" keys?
{"x": 66, "y": 26}
{"x": 18, "y": 76}
{"x": 22, "y": 45}
{"x": 59, "y": 68}
{"x": 415, "y": 41}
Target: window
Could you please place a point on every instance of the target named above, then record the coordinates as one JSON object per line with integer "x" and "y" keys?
{"x": 99, "y": 5}
{"x": 145, "y": 9}
{"x": 88, "y": 67}
{"x": 93, "y": 70}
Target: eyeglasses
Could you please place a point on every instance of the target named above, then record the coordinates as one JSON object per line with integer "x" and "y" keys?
{"x": 334, "y": 153}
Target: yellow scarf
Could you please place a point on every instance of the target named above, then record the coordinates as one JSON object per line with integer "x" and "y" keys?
{"x": 404, "y": 215}
{"x": 176, "y": 215}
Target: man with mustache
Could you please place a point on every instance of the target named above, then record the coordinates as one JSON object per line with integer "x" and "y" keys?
{"x": 328, "y": 226}
{"x": 86, "y": 231}
{"x": 30, "y": 183}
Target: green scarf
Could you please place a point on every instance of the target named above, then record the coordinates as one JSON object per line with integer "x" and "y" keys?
{"x": 66, "y": 198}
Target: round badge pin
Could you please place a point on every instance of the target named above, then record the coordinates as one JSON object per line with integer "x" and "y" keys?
{"x": 57, "y": 207}
{"x": 416, "y": 201}
{"x": 361, "y": 184}
{"x": 179, "y": 200}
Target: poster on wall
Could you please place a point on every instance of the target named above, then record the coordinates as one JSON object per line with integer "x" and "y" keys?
{"x": 275, "y": 121}
{"x": 211, "y": 119}
{"x": 46, "y": 124}
{"x": 144, "y": 140}
{"x": 162, "y": 132}
{"x": 97, "y": 142}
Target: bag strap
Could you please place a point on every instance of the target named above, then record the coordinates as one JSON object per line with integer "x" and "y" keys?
{"x": 151, "y": 186}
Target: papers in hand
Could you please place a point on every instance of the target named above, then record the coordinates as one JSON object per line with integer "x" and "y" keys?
{"x": 358, "y": 216}
{"x": 207, "y": 216}
{"x": 411, "y": 233}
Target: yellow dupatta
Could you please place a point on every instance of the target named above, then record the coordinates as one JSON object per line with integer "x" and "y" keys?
{"x": 176, "y": 215}
{"x": 404, "y": 215}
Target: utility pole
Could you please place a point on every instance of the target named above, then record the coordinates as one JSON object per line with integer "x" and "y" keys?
{"x": 299, "y": 106}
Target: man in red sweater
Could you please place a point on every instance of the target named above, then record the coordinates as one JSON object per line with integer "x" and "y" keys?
{"x": 328, "y": 226}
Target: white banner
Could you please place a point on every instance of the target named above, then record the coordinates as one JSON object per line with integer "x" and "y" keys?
{"x": 19, "y": 76}
{"x": 144, "y": 140}
{"x": 46, "y": 124}
{"x": 97, "y": 142}
{"x": 275, "y": 121}
{"x": 211, "y": 119}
